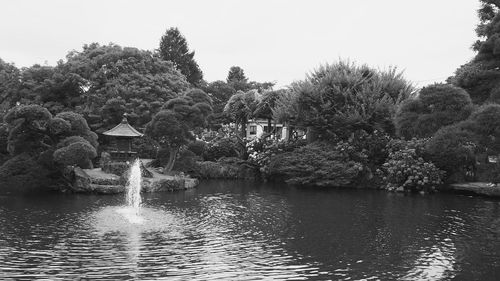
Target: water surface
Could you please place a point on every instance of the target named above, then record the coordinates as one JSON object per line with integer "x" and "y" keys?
{"x": 233, "y": 230}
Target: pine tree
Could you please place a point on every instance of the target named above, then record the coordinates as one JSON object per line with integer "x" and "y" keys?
{"x": 481, "y": 76}
{"x": 174, "y": 48}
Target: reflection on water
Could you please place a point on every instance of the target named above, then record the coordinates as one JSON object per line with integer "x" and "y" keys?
{"x": 240, "y": 231}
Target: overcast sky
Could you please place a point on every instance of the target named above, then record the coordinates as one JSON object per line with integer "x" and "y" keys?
{"x": 272, "y": 40}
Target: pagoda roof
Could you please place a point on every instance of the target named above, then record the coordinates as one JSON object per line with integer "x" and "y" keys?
{"x": 123, "y": 130}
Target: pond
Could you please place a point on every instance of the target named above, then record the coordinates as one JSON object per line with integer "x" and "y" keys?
{"x": 235, "y": 230}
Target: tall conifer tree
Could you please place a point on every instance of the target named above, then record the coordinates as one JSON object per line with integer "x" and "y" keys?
{"x": 174, "y": 48}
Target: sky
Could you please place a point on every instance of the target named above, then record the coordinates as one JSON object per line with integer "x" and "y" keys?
{"x": 272, "y": 40}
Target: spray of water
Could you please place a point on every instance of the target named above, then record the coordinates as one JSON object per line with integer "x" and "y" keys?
{"x": 134, "y": 187}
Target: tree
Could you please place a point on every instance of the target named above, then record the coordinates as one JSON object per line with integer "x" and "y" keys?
{"x": 172, "y": 127}
{"x": 240, "y": 108}
{"x": 485, "y": 122}
{"x": 236, "y": 74}
{"x": 453, "y": 148}
{"x": 266, "y": 105}
{"x": 113, "y": 110}
{"x": 436, "y": 106}
{"x": 220, "y": 92}
{"x": 143, "y": 81}
{"x": 9, "y": 86}
{"x": 45, "y": 143}
{"x": 236, "y": 78}
{"x": 28, "y": 130}
{"x": 174, "y": 48}
{"x": 338, "y": 99}
{"x": 481, "y": 76}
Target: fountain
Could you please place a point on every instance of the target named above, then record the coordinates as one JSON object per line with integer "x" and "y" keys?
{"x": 134, "y": 187}
{"x": 132, "y": 211}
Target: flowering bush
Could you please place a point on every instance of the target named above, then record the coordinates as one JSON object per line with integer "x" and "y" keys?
{"x": 405, "y": 169}
{"x": 260, "y": 151}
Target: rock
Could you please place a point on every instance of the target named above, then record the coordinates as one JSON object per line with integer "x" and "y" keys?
{"x": 400, "y": 189}
{"x": 106, "y": 189}
{"x": 81, "y": 181}
{"x": 97, "y": 181}
{"x": 479, "y": 188}
{"x": 111, "y": 180}
{"x": 191, "y": 183}
{"x": 117, "y": 168}
{"x": 159, "y": 185}
{"x": 122, "y": 169}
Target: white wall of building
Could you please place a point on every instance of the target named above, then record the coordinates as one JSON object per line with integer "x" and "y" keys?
{"x": 255, "y": 129}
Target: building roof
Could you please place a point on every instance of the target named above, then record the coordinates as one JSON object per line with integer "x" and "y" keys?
{"x": 123, "y": 130}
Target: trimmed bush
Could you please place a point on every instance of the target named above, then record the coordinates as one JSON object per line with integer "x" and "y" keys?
{"x": 224, "y": 147}
{"x": 78, "y": 154}
{"x": 197, "y": 147}
{"x": 59, "y": 126}
{"x": 436, "y": 106}
{"x": 69, "y": 140}
{"x": 453, "y": 149}
{"x": 186, "y": 162}
{"x": 320, "y": 164}
{"x": 22, "y": 173}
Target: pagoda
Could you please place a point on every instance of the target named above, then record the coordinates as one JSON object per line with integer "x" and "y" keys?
{"x": 121, "y": 137}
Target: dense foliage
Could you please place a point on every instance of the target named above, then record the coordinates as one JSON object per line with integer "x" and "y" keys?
{"x": 351, "y": 114}
{"x": 320, "y": 164}
{"x": 480, "y": 77}
{"x": 42, "y": 142}
{"x": 172, "y": 127}
{"x": 435, "y": 106}
{"x": 174, "y": 48}
{"x": 405, "y": 168}
{"x": 340, "y": 98}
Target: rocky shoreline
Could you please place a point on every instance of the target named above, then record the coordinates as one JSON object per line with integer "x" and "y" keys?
{"x": 476, "y": 188}
{"x": 97, "y": 181}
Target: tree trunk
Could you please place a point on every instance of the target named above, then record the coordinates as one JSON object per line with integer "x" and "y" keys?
{"x": 289, "y": 132}
{"x": 311, "y": 135}
{"x": 244, "y": 129}
{"x": 171, "y": 158}
{"x": 269, "y": 125}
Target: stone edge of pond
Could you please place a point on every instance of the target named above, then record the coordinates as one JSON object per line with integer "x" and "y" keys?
{"x": 475, "y": 188}
{"x": 95, "y": 181}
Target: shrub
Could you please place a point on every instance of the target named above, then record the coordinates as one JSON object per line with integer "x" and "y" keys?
{"x": 186, "y": 162}
{"x": 405, "y": 169}
{"x": 197, "y": 147}
{"x": 260, "y": 151}
{"x": 145, "y": 147}
{"x": 374, "y": 145}
{"x": 79, "y": 127}
{"x": 4, "y": 138}
{"x": 22, "y": 172}
{"x": 77, "y": 153}
{"x": 59, "y": 126}
{"x": 69, "y": 140}
{"x": 320, "y": 164}
{"x": 223, "y": 147}
{"x": 452, "y": 149}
